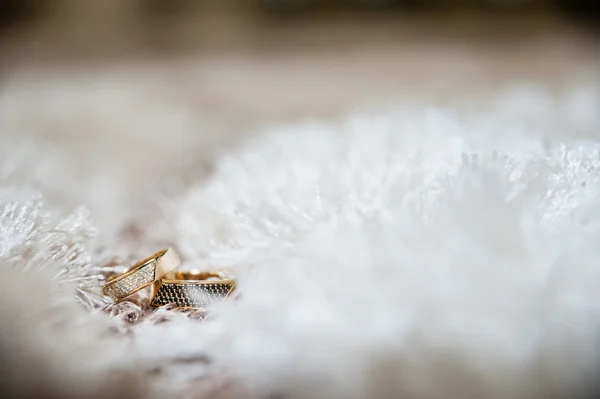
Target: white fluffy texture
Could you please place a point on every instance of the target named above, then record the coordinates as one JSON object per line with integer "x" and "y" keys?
{"x": 415, "y": 252}
{"x": 97, "y": 138}
{"x": 50, "y": 346}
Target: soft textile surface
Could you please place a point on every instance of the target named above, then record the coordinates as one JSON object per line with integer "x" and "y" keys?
{"x": 407, "y": 251}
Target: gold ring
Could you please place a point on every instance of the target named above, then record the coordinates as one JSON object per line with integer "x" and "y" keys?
{"x": 141, "y": 275}
{"x": 192, "y": 289}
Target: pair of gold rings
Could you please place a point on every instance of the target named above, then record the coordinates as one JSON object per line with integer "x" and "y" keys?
{"x": 184, "y": 289}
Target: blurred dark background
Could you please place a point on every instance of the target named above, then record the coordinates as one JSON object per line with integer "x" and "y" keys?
{"x": 58, "y": 28}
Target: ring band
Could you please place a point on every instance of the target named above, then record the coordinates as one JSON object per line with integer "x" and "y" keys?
{"x": 192, "y": 289}
{"x": 141, "y": 275}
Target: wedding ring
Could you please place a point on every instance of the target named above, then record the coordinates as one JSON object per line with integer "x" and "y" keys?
{"x": 141, "y": 275}
{"x": 192, "y": 289}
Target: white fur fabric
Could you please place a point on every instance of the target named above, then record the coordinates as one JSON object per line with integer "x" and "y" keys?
{"x": 408, "y": 252}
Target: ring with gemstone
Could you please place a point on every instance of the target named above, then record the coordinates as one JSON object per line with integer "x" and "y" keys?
{"x": 141, "y": 275}
{"x": 192, "y": 289}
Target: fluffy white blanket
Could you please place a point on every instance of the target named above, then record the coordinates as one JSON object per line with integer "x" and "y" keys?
{"x": 411, "y": 252}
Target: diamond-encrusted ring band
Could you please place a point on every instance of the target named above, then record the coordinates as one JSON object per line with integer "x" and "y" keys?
{"x": 192, "y": 289}
{"x": 141, "y": 275}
